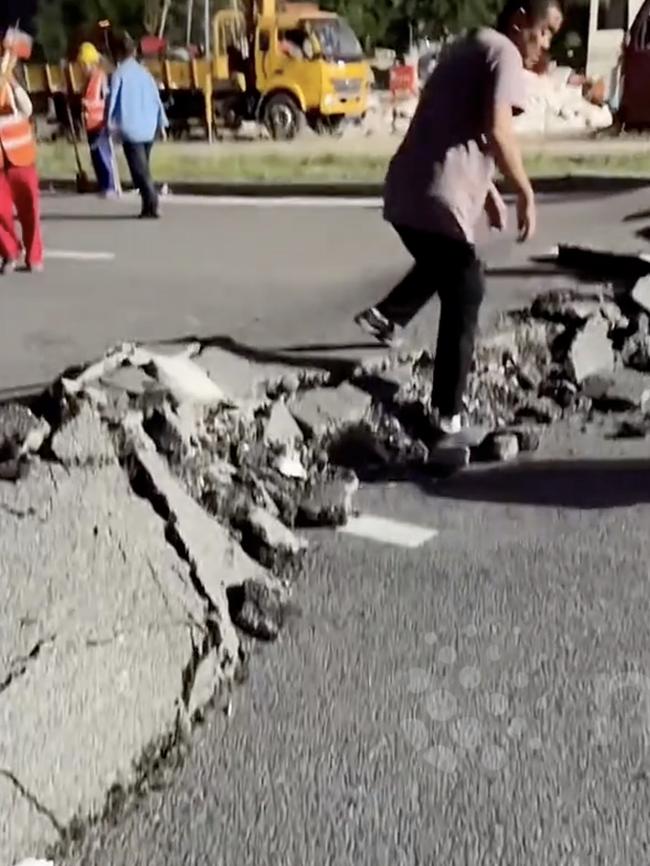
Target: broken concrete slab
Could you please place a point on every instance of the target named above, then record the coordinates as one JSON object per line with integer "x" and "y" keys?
{"x": 621, "y": 390}
{"x": 246, "y": 380}
{"x": 324, "y": 410}
{"x": 216, "y": 560}
{"x": 641, "y": 293}
{"x": 133, "y": 380}
{"x": 182, "y": 377}
{"x": 100, "y": 620}
{"x": 281, "y": 427}
{"x": 591, "y": 351}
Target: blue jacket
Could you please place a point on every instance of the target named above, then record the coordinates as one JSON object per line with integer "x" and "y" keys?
{"x": 134, "y": 106}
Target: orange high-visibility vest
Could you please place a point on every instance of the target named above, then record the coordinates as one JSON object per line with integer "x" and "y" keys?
{"x": 17, "y": 143}
{"x": 93, "y": 102}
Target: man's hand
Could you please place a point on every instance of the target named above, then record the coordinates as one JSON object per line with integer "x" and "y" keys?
{"x": 496, "y": 210}
{"x": 526, "y": 215}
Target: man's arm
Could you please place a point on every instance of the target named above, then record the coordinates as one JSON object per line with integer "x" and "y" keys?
{"x": 507, "y": 95}
{"x": 507, "y": 155}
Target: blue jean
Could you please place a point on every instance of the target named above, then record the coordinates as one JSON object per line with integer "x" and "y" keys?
{"x": 101, "y": 154}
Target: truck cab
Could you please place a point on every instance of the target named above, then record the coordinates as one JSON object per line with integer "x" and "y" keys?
{"x": 295, "y": 65}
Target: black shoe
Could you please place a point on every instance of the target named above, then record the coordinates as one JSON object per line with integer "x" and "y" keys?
{"x": 150, "y": 215}
{"x": 372, "y": 322}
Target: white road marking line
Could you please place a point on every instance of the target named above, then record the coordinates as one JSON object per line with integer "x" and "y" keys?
{"x": 264, "y": 201}
{"x": 388, "y": 531}
{"x": 79, "y": 255}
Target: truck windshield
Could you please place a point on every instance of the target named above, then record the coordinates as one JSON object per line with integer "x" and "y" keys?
{"x": 337, "y": 39}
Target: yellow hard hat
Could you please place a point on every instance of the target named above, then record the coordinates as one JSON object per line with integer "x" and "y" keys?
{"x": 88, "y": 54}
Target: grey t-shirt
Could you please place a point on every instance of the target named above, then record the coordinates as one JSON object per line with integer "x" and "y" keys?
{"x": 440, "y": 176}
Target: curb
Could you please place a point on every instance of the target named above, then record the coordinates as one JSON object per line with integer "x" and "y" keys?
{"x": 546, "y": 185}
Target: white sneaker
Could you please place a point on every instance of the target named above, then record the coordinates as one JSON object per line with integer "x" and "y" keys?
{"x": 450, "y": 425}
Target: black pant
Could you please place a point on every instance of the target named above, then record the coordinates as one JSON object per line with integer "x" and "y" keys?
{"x": 450, "y": 268}
{"x": 137, "y": 156}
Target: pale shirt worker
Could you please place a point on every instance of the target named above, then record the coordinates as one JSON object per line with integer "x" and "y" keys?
{"x": 135, "y": 110}
{"x": 441, "y": 180}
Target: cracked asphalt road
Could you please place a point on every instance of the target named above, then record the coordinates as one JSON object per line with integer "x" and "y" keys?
{"x": 439, "y": 705}
{"x": 478, "y": 700}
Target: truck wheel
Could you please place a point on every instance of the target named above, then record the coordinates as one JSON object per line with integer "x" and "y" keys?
{"x": 283, "y": 117}
{"x": 331, "y": 125}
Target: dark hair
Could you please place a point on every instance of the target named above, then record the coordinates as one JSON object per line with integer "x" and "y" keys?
{"x": 534, "y": 10}
{"x": 123, "y": 46}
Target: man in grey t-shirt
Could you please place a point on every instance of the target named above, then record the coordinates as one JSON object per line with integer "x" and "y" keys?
{"x": 441, "y": 180}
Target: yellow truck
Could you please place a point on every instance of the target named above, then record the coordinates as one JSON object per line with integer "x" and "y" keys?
{"x": 287, "y": 65}
{"x": 282, "y": 65}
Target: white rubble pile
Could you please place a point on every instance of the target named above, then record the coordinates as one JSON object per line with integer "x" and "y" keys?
{"x": 555, "y": 106}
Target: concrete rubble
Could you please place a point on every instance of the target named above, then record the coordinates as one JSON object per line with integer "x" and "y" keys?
{"x": 149, "y": 518}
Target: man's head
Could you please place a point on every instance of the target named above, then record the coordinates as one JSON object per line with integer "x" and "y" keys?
{"x": 124, "y": 48}
{"x": 531, "y": 25}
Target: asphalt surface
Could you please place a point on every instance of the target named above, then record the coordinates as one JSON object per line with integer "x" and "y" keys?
{"x": 267, "y": 277}
{"x": 440, "y": 705}
{"x": 477, "y": 700}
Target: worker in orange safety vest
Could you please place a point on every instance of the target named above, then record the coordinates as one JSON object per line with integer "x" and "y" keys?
{"x": 94, "y": 117}
{"x": 19, "y": 186}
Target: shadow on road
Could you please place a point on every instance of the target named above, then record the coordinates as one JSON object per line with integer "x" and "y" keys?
{"x": 339, "y": 368}
{"x": 583, "y": 484}
{"x": 530, "y": 271}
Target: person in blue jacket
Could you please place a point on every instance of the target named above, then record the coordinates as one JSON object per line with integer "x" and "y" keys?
{"x": 135, "y": 112}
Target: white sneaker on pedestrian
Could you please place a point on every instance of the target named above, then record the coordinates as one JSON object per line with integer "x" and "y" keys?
{"x": 9, "y": 266}
{"x": 450, "y": 425}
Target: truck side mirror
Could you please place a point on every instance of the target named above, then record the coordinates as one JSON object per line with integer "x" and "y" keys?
{"x": 264, "y": 41}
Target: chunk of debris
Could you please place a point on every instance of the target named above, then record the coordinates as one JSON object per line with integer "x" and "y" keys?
{"x": 636, "y": 352}
{"x": 498, "y": 446}
{"x": 281, "y": 427}
{"x": 633, "y": 428}
{"x": 448, "y": 457}
{"x": 289, "y": 465}
{"x": 268, "y": 540}
{"x": 256, "y": 609}
{"x": 527, "y": 440}
{"x": 542, "y": 411}
{"x": 591, "y": 351}
{"x": 359, "y": 446}
{"x": 618, "y": 391}
{"x": 82, "y": 441}
{"x": 564, "y": 306}
{"x": 329, "y": 501}
{"x": 21, "y": 432}
{"x": 641, "y": 293}
{"x": 560, "y": 390}
{"x": 324, "y": 410}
